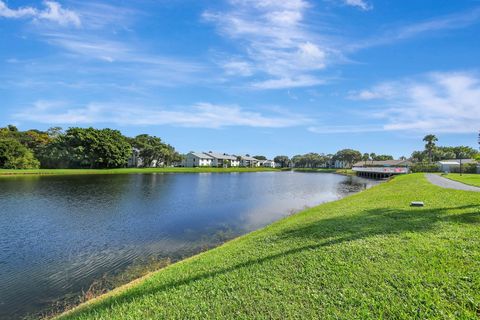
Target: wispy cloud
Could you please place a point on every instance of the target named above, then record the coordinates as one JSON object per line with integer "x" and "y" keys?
{"x": 275, "y": 41}
{"x": 447, "y": 22}
{"x": 104, "y": 51}
{"x": 380, "y": 91}
{"x": 6, "y": 12}
{"x": 286, "y": 83}
{"x": 100, "y": 15}
{"x": 53, "y": 12}
{"x": 345, "y": 129}
{"x": 436, "y": 102}
{"x": 200, "y": 115}
{"x": 361, "y": 4}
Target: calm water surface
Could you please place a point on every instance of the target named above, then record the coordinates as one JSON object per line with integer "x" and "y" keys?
{"x": 60, "y": 233}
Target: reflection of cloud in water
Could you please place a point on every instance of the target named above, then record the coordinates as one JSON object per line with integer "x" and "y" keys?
{"x": 272, "y": 210}
{"x": 298, "y": 194}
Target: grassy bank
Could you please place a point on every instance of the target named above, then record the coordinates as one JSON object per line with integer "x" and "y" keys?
{"x": 370, "y": 255}
{"x": 9, "y": 172}
{"x": 471, "y": 179}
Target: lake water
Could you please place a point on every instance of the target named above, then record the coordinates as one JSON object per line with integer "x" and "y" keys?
{"x": 60, "y": 233}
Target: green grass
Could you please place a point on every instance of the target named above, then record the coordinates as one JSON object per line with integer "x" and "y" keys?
{"x": 367, "y": 256}
{"x": 471, "y": 179}
{"x": 11, "y": 172}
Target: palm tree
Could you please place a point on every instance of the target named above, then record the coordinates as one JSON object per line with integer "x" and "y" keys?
{"x": 365, "y": 157}
{"x": 372, "y": 156}
{"x": 430, "y": 140}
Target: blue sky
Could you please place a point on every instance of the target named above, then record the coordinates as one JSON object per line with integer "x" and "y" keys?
{"x": 247, "y": 76}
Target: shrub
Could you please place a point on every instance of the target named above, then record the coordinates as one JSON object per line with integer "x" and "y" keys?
{"x": 14, "y": 155}
{"x": 466, "y": 168}
{"x": 425, "y": 167}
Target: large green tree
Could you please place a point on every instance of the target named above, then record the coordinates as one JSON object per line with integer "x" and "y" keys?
{"x": 90, "y": 148}
{"x": 14, "y": 155}
{"x": 383, "y": 157}
{"x": 348, "y": 155}
{"x": 284, "y": 161}
{"x": 310, "y": 160}
{"x": 152, "y": 149}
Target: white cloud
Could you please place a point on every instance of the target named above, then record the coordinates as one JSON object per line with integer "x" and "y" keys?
{"x": 436, "y": 102}
{"x": 53, "y": 12}
{"x": 275, "y": 40}
{"x": 359, "y": 4}
{"x": 6, "y": 12}
{"x": 201, "y": 115}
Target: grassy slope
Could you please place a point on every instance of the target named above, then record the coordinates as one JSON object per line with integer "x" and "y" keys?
{"x": 8, "y": 172}
{"x": 471, "y": 179}
{"x": 366, "y": 256}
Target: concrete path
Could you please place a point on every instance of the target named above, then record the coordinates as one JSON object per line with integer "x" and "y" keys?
{"x": 450, "y": 184}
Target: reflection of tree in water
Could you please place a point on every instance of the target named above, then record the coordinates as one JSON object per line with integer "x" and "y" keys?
{"x": 210, "y": 237}
{"x": 353, "y": 184}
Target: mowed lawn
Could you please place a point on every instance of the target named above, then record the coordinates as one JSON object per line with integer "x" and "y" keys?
{"x": 471, "y": 179}
{"x": 14, "y": 172}
{"x": 368, "y": 256}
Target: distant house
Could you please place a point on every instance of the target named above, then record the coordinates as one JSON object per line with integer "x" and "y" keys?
{"x": 247, "y": 161}
{"x": 453, "y": 165}
{"x": 268, "y": 164}
{"x": 223, "y": 160}
{"x": 135, "y": 161}
{"x": 340, "y": 164}
{"x": 198, "y": 159}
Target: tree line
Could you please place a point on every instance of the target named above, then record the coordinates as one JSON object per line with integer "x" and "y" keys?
{"x": 79, "y": 148}
{"x": 431, "y": 154}
{"x": 107, "y": 148}
{"x": 321, "y": 160}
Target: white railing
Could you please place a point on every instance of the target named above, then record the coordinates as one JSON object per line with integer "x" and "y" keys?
{"x": 395, "y": 170}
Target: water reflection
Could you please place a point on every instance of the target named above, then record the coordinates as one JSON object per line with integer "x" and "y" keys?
{"x": 58, "y": 234}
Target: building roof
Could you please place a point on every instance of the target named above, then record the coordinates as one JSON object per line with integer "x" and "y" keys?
{"x": 200, "y": 155}
{"x": 248, "y": 158}
{"x": 222, "y": 156}
{"x": 456, "y": 161}
{"x": 385, "y": 163}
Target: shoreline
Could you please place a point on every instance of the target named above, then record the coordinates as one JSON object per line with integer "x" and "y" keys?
{"x": 79, "y": 172}
{"x": 200, "y": 253}
{"x": 145, "y": 277}
{"x": 372, "y": 227}
{"x": 60, "y": 172}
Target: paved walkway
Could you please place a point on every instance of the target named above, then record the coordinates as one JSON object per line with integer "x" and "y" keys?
{"x": 450, "y": 184}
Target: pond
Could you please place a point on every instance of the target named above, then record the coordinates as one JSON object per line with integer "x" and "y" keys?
{"x": 60, "y": 233}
